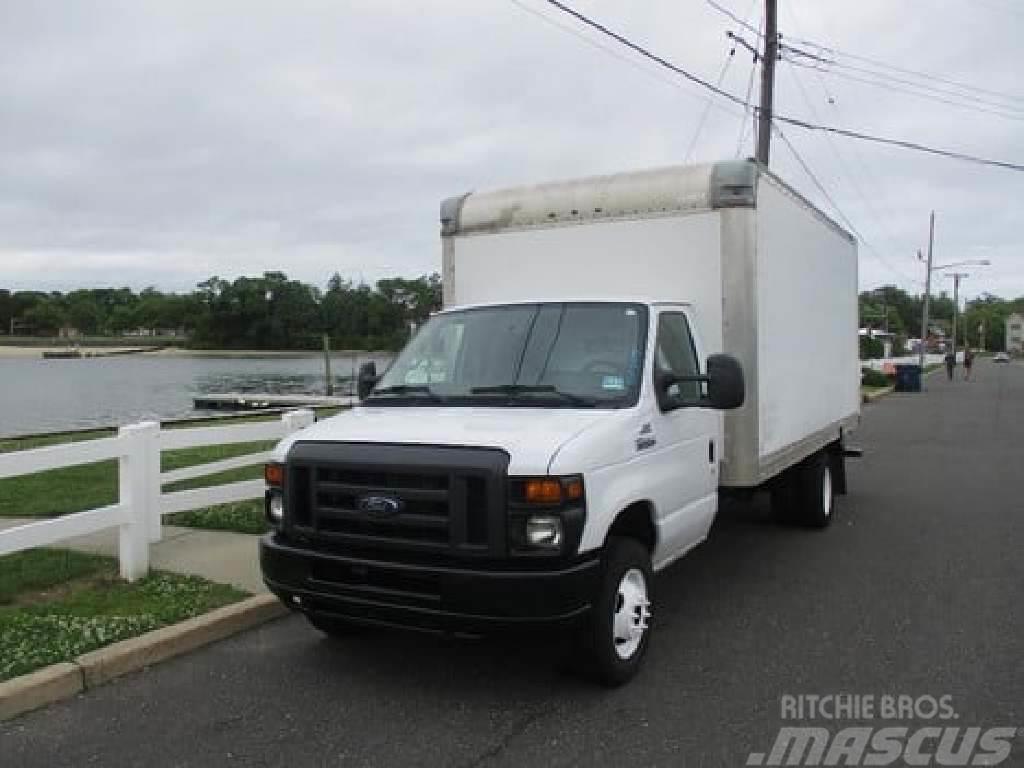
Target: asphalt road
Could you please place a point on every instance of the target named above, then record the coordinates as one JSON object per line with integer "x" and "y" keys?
{"x": 916, "y": 589}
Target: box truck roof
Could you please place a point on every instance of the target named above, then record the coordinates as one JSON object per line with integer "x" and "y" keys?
{"x": 646, "y": 301}
{"x": 672, "y": 190}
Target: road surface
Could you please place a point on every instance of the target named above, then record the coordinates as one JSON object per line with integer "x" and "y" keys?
{"x": 915, "y": 590}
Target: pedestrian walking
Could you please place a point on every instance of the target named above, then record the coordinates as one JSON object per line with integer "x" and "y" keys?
{"x": 950, "y": 364}
{"x": 968, "y": 361}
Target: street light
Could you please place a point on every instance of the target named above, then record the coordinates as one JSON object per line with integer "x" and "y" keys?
{"x": 967, "y": 263}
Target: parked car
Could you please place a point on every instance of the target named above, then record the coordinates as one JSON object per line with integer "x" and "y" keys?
{"x": 1001, "y": 357}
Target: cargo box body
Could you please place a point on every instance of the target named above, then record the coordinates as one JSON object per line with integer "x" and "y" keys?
{"x": 771, "y": 279}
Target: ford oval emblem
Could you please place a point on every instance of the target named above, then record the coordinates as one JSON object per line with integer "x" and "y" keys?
{"x": 379, "y": 506}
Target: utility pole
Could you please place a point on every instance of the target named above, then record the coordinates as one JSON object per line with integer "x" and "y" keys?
{"x": 771, "y": 52}
{"x": 927, "y": 290}
{"x": 956, "y": 303}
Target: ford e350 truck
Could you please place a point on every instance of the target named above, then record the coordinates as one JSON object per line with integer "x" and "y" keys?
{"x": 613, "y": 354}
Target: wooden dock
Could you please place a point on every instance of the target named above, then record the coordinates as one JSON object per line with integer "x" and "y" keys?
{"x": 259, "y": 401}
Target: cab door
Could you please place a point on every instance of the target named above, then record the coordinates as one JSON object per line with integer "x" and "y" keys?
{"x": 688, "y": 440}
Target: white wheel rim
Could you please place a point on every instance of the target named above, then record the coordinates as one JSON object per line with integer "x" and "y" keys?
{"x": 826, "y": 492}
{"x": 630, "y": 613}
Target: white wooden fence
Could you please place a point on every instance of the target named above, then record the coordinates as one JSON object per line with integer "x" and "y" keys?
{"x": 930, "y": 359}
{"x": 141, "y": 505}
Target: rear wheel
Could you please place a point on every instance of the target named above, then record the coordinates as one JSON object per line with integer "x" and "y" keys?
{"x": 784, "y": 497}
{"x": 805, "y": 494}
{"x": 616, "y": 636}
{"x": 816, "y": 491}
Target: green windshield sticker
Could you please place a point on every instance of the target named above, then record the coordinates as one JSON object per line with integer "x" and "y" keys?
{"x": 613, "y": 382}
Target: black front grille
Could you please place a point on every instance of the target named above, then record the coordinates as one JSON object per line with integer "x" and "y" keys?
{"x": 417, "y": 498}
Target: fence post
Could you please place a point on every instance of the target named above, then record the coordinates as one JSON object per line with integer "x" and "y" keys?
{"x": 295, "y": 420}
{"x": 151, "y": 450}
{"x": 133, "y": 471}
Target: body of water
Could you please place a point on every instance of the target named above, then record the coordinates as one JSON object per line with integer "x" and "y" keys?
{"x": 51, "y": 395}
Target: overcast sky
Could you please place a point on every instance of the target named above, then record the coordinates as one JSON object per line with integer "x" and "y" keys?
{"x": 146, "y": 143}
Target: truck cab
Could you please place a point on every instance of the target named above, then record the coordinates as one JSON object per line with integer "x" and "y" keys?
{"x": 517, "y": 464}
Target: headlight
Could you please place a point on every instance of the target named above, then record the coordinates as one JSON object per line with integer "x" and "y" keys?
{"x": 546, "y": 515}
{"x": 544, "y": 531}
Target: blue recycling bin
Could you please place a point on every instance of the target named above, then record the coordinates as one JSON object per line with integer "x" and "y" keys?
{"x": 908, "y": 378}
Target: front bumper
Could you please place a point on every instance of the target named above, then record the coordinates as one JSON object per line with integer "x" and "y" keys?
{"x": 433, "y": 598}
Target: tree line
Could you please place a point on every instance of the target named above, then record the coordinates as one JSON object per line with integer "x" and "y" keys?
{"x": 274, "y": 312}
{"x": 893, "y": 309}
{"x": 267, "y": 312}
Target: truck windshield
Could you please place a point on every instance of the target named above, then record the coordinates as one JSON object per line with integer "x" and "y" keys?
{"x": 550, "y": 354}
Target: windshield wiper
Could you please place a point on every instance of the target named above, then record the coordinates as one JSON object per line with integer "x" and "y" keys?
{"x": 529, "y": 389}
{"x": 406, "y": 389}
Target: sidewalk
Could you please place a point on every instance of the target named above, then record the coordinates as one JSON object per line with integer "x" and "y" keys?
{"x": 221, "y": 556}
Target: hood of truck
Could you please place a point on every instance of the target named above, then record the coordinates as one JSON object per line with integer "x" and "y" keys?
{"x": 530, "y": 436}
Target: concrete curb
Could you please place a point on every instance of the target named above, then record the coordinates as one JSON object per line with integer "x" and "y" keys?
{"x": 39, "y": 688}
{"x": 61, "y": 681}
{"x": 870, "y": 397}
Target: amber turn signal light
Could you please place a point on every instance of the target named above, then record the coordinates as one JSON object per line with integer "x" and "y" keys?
{"x": 274, "y": 475}
{"x": 543, "y": 491}
{"x": 553, "y": 490}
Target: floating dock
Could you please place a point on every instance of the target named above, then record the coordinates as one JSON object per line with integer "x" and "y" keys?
{"x": 259, "y": 401}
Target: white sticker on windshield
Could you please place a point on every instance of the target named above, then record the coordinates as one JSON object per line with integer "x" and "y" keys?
{"x": 613, "y": 382}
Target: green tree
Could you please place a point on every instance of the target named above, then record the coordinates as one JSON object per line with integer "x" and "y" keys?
{"x": 46, "y": 317}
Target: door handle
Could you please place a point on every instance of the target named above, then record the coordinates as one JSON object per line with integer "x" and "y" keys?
{"x": 711, "y": 451}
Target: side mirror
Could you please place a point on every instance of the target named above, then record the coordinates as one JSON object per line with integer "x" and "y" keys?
{"x": 724, "y": 380}
{"x": 725, "y": 383}
{"x": 367, "y": 379}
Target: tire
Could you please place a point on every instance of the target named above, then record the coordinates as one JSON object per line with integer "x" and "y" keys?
{"x": 784, "y": 500}
{"x": 816, "y": 491}
{"x": 616, "y": 636}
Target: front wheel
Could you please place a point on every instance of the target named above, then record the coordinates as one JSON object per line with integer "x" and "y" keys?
{"x": 616, "y": 636}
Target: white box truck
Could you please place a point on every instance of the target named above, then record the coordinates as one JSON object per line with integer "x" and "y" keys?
{"x": 613, "y": 354}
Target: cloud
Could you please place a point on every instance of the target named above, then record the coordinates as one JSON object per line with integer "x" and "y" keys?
{"x": 159, "y": 143}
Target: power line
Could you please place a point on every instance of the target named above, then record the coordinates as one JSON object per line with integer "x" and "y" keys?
{"x": 750, "y": 113}
{"x": 900, "y": 143}
{"x": 789, "y": 120}
{"x": 826, "y": 63}
{"x": 862, "y": 165}
{"x": 910, "y": 92}
{"x": 741, "y": 22}
{"x": 707, "y": 107}
{"x": 842, "y": 163}
{"x": 835, "y": 52}
{"x": 884, "y": 80}
{"x": 610, "y": 51}
{"x": 730, "y": 55}
{"x": 643, "y": 51}
{"x": 835, "y": 206}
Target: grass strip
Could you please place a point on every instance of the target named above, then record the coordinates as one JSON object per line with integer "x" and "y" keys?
{"x": 56, "y": 605}
{"x": 238, "y": 517}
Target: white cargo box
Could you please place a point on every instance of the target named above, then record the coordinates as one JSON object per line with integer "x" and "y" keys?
{"x": 772, "y": 280}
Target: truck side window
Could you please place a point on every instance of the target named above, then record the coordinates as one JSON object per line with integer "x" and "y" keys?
{"x": 676, "y": 354}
